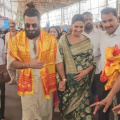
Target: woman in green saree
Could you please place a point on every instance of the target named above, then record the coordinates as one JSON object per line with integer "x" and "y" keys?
{"x": 77, "y": 54}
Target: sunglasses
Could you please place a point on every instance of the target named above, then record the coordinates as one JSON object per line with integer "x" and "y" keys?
{"x": 12, "y": 26}
{"x": 34, "y": 25}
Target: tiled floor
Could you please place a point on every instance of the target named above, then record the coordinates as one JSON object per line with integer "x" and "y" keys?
{"x": 13, "y": 110}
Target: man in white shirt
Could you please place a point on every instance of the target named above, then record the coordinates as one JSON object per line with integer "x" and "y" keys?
{"x": 2, "y": 56}
{"x": 110, "y": 23}
{"x": 8, "y": 39}
{"x": 93, "y": 33}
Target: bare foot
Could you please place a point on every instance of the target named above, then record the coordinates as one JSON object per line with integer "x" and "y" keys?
{"x": 56, "y": 109}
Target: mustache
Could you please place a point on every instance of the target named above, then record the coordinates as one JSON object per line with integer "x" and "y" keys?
{"x": 108, "y": 27}
{"x": 31, "y": 30}
{"x": 88, "y": 24}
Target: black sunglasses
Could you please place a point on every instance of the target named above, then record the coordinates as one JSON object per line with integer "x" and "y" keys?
{"x": 12, "y": 26}
{"x": 34, "y": 25}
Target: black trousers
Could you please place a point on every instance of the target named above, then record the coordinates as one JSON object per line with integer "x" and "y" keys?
{"x": 97, "y": 88}
{"x": 2, "y": 109}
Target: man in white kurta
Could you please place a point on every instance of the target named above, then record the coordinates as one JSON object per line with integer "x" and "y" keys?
{"x": 35, "y": 106}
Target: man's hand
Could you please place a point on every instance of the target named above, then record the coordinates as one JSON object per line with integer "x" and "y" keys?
{"x": 116, "y": 109}
{"x": 81, "y": 75}
{"x": 36, "y": 64}
{"x": 62, "y": 85}
{"x": 105, "y": 102}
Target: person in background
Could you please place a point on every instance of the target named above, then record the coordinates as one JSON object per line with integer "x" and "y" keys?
{"x": 59, "y": 29}
{"x": 2, "y": 86}
{"x": 93, "y": 33}
{"x": 4, "y": 33}
{"x": 54, "y": 31}
{"x": 8, "y": 41}
{"x": 21, "y": 29}
{"x": 0, "y": 34}
{"x": 77, "y": 53}
{"x": 63, "y": 32}
{"x": 101, "y": 26}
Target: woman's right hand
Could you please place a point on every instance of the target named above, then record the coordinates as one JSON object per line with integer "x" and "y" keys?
{"x": 62, "y": 86}
{"x": 35, "y": 64}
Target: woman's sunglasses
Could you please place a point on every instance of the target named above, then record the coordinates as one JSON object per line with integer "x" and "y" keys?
{"x": 34, "y": 25}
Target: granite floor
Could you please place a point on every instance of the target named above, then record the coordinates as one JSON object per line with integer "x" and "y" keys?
{"x": 13, "y": 110}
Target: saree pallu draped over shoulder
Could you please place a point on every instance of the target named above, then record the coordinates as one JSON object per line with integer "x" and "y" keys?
{"x": 74, "y": 101}
{"x": 47, "y": 50}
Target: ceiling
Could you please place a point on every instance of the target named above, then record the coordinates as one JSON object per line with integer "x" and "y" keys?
{"x": 43, "y": 5}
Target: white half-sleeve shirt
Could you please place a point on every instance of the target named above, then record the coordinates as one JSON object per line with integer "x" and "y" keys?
{"x": 109, "y": 41}
{"x": 2, "y": 55}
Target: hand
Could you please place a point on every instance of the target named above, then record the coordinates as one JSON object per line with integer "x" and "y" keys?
{"x": 36, "y": 64}
{"x": 105, "y": 102}
{"x": 116, "y": 109}
{"x": 62, "y": 85}
{"x": 81, "y": 75}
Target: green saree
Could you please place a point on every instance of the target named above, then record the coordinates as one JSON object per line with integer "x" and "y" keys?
{"x": 74, "y": 101}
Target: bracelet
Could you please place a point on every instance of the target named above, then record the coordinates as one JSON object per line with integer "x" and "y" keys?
{"x": 64, "y": 80}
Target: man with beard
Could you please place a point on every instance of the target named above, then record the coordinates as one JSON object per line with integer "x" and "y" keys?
{"x": 8, "y": 40}
{"x": 93, "y": 33}
{"x": 110, "y": 23}
{"x": 34, "y": 52}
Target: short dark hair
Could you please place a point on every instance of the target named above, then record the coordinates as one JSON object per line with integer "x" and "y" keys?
{"x": 87, "y": 13}
{"x": 31, "y": 12}
{"x": 12, "y": 23}
{"x": 58, "y": 37}
{"x": 77, "y": 17}
{"x": 109, "y": 10}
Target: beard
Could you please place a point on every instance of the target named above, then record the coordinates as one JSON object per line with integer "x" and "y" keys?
{"x": 32, "y": 35}
{"x": 88, "y": 26}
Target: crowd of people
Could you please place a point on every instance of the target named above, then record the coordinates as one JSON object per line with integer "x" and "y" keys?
{"x": 64, "y": 70}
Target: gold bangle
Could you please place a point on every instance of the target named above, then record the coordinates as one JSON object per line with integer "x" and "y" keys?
{"x": 64, "y": 80}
